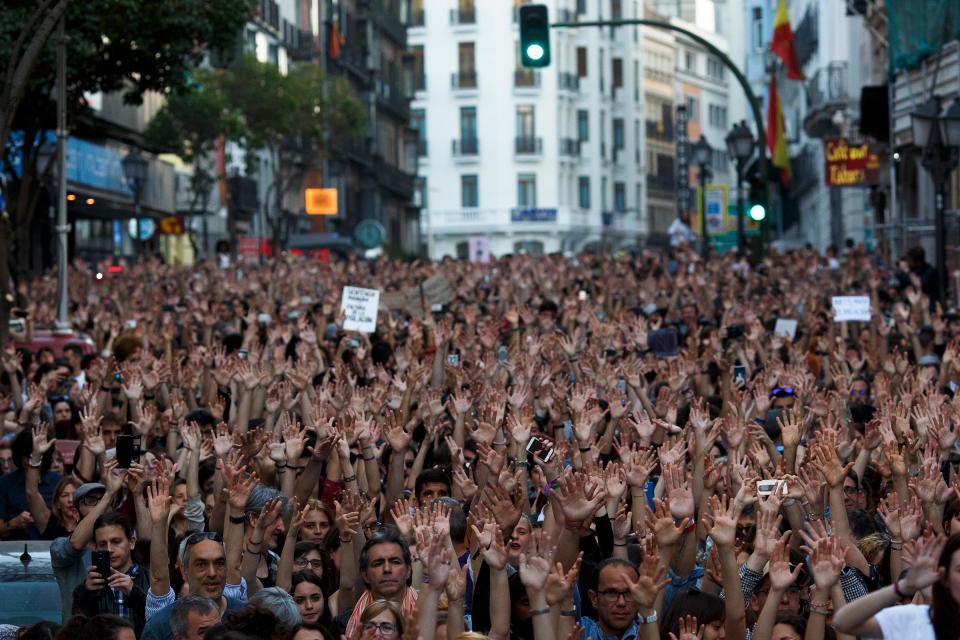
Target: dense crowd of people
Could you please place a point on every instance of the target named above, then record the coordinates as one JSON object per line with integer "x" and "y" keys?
{"x": 594, "y": 447}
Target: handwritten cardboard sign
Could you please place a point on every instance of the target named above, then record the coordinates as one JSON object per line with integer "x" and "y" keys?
{"x": 360, "y": 308}
{"x": 851, "y": 308}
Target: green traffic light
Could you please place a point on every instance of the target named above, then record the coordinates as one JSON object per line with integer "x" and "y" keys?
{"x": 757, "y": 212}
{"x": 534, "y": 23}
{"x": 535, "y": 52}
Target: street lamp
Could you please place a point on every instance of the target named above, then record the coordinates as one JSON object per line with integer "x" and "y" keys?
{"x": 702, "y": 152}
{"x": 740, "y": 148}
{"x": 135, "y": 171}
{"x": 48, "y": 165}
{"x": 939, "y": 139}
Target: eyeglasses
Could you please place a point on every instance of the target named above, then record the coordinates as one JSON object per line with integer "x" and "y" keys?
{"x": 612, "y": 595}
{"x": 200, "y": 536}
{"x": 91, "y": 500}
{"x": 852, "y": 491}
{"x": 59, "y": 399}
{"x": 386, "y": 629}
{"x": 373, "y": 526}
{"x": 313, "y": 564}
{"x": 858, "y": 392}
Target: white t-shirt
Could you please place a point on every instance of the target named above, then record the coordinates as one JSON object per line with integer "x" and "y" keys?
{"x": 906, "y": 622}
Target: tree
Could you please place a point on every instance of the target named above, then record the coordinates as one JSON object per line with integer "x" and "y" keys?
{"x": 292, "y": 117}
{"x": 133, "y": 46}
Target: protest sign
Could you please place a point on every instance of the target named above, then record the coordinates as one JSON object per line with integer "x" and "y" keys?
{"x": 851, "y": 308}
{"x": 360, "y": 308}
{"x": 785, "y": 327}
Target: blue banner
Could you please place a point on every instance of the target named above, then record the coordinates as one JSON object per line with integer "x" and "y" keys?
{"x": 533, "y": 215}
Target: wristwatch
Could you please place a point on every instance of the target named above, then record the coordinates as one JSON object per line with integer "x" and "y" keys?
{"x": 650, "y": 619}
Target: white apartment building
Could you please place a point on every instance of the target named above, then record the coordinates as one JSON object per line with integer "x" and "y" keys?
{"x": 534, "y": 161}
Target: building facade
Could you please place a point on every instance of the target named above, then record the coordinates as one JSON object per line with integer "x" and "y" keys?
{"x": 528, "y": 160}
{"x": 659, "y": 122}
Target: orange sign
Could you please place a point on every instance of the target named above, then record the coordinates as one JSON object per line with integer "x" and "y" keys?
{"x": 171, "y": 226}
{"x": 849, "y": 165}
{"x": 321, "y": 202}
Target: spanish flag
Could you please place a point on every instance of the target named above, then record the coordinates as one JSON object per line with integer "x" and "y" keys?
{"x": 782, "y": 43}
{"x": 336, "y": 41}
{"x": 777, "y": 133}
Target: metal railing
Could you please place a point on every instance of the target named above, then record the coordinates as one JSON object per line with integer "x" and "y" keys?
{"x": 570, "y": 147}
{"x": 568, "y": 81}
{"x": 828, "y": 85}
{"x": 662, "y": 182}
{"x": 529, "y": 78}
{"x": 269, "y": 13}
{"x": 656, "y": 130}
{"x": 463, "y": 16}
{"x": 464, "y": 80}
{"x": 392, "y": 97}
{"x": 417, "y": 18}
{"x": 466, "y": 146}
{"x": 528, "y": 145}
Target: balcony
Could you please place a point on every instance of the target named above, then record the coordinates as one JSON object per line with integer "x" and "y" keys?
{"x": 352, "y": 60}
{"x": 465, "y": 147}
{"x": 526, "y": 79}
{"x": 464, "y": 80}
{"x": 568, "y": 81}
{"x": 394, "y": 179}
{"x": 463, "y": 16}
{"x": 300, "y": 45}
{"x": 663, "y": 185}
{"x": 354, "y": 148}
{"x": 422, "y": 148}
{"x": 384, "y": 17}
{"x": 393, "y": 99}
{"x": 268, "y": 14}
{"x": 533, "y": 219}
{"x": 417, "y": 18}
{"x": 528, "y": 145}
{"x": 827, "y": 92}
{"x": 662, "y": 131}
{"x": 566, "y": 15}
{"x": 570, "y": 147}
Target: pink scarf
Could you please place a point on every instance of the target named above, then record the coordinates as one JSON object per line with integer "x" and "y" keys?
{"x": 408, "y": 607}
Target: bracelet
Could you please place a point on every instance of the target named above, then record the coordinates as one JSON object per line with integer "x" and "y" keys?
{"x": 540, "y": 612}
{"x": 572, "y": 526}
{"x": 347, "y": 479}
{"x": 822, "y": 611}
{"x": 650, "y": 619}
{"x": 251, "y": 551}
{"x": 370, "y": 459}
{"x": 37, "y": 465}
{"x": 346, "y": 540}
{"x": 238, "y": 519}
{"x": 280, "y": 466}
{"x": 900, "y": 594}
{"x": 894, "y": 546}
{"x": 619, "y": 544}
{"x": 582, "y": 449}
{"x": 570, "y": 613}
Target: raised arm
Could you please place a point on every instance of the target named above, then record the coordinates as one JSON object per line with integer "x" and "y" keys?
{"x": 35, "y": 502}
{"x": 113, "y": 481}
{"x": 158, "y": 501}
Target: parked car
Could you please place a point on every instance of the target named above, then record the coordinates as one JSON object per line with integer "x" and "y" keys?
{"x": 57, "y": 341}
{"x": 28, "y": 590}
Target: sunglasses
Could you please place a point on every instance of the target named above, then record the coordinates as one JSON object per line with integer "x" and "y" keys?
{"x": 200, "y": 536}
{"x": 781, "y": 392}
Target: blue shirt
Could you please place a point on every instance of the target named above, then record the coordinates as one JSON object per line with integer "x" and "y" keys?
{"x": 13, "y": 497}
{"x": 590, "y": 630}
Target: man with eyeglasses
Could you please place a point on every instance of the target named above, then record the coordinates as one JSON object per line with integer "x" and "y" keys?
{"x": 70, "y": 555}
{"x": 203, "y": 565}
{"x": 616, "y": 609}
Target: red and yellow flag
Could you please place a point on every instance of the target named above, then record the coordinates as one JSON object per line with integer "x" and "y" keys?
{"x": 782, "y": 43}
{"x": 336, "y": 41}
{"x": 777, "y": 133}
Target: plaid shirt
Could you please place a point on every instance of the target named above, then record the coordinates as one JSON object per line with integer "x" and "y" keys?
{"x": 129, "y": 606}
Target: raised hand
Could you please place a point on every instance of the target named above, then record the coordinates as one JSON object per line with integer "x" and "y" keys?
{"x": 679, "y": 492}
{"x": 158, "y": 502}
{"x": 781, "y": 577}
{"x": 650, "y": 581}
{"x": 536, "y": 560}
{"x": 723, "y": 520}
{"x": 826, "y": 562}
{"x": 559, "y": 584}
{"x": 660, "y": 521}
{"x": 688, "y": 629}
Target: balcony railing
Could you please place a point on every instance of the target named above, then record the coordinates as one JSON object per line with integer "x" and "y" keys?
{"x": 395, "y": 179}
{"x": 665, "y": 183}
{"x": 570, "y": 147}
{"x": 805, "y": 170}
{"x": 464, "y": 80}
{"x": 466, "y": 147}
{"x": 528, "y": 145}
{"x": 528, "y": 78}
{"x": 569, "y": 81}
{"x": 386, "y": 18}
{"x": 422, "y": 148}
{"x": 393, "y": 98}
{"x": 269, "y": 14}
{"x": 463, "y": 16}
{"x": 828, "y": 85}
{"x": 417, "y": 18}
{"x": 659, "y": 130}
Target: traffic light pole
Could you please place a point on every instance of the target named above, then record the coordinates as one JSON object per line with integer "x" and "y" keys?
{"x": 727, "y": 62}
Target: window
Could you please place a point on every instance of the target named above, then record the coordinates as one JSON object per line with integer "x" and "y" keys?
{"x": 619, "y": 196}
{"x": 603, "y": 193}
{"x": 528, "y": 247}
{"x": 526, "y": 190}
{"x": 581, "y": 6}
{"x": 420, "y": 192}
{"x": 603, "y": 134}
{"x": 693, "y": 108}
{"x": 618, "y": 134}
{"x": 639, "y": 197}
{"x": 416, "y": 13}
{"x": 469, "y": 193}
{"x": 616, "y": 9}
{"x": 756, "y": 28}
{"x": 583, "y": 125}
{"x": 468, "y": 125}
{"x": 617, "y": 72}
{"x": 714, "y": 68}
{"x": 582, "y": 62}
{"x": 419, "y": 73}
{"x": 636, "y": 141}
{"x": 526, "y": 125}
{"x": 717, "y": 115}
{"x": 690, "y": 61}
{"x": 418, "y": 122}
{"x": 466, "y": 68}
{"x": 602, "y": 83}
{"x": 636, "y": 81}
{"x": 583, "y": 190}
